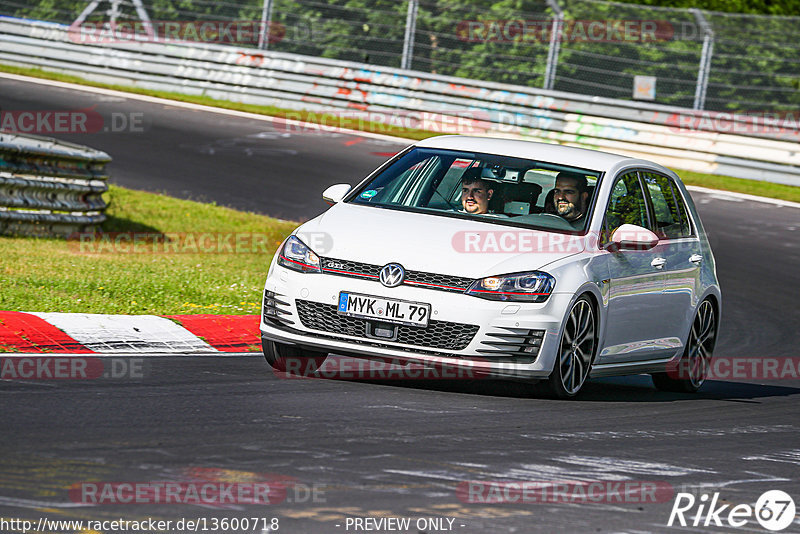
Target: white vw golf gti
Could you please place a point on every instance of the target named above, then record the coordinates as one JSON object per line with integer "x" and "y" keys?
{"x": 522, "y": 260}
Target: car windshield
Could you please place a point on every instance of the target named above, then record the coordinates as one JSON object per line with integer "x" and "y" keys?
{"x": 486, "y": 187}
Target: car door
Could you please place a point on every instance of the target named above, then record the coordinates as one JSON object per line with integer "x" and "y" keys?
{"x": 636, "y": 282}
{"x": 680, "y": 246}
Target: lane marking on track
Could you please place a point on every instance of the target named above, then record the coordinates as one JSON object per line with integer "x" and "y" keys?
{"x": 226, "y": 333}
{"x": 26, "y": 332}
{"x": 126, "y": 333}
{"x": 721, "y": 194}
{"x": 23, "y": 334}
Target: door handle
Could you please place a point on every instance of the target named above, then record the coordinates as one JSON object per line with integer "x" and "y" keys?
{"x": 697, "y": 259}
{"x": 658, "y": 263}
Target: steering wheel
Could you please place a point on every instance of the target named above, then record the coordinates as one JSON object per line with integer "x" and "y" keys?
{"x": 562, "y": 223}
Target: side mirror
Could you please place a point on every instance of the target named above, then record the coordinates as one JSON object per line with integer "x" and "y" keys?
{"x": 335, "y": 193}
{"x": 632, "y": 237}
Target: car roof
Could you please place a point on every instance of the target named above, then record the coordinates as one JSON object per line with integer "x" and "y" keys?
{"x": 572, "y": 156}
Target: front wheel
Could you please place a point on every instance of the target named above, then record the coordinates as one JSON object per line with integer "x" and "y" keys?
{"x": 693, "y": 367}
{"x": 292, "y": 358}
{"x": 575, "y": 351}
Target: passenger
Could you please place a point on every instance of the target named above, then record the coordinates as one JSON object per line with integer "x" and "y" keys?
{"x": 571, "y": 196}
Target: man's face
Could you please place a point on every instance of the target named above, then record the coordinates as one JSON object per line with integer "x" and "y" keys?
{"x": 475, "y": 197}
{"x": 568, "y": 200}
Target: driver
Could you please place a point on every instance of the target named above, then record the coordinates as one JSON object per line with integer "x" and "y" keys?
{"x": 571, "y": 196}
{"x": 475, "y": 192}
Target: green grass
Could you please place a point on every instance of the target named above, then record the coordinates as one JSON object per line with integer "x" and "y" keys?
{"x": 38, "y": 274}
{"x": 727, "y": 183}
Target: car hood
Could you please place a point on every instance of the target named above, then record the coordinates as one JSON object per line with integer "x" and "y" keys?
{"x": 433, "y": 243}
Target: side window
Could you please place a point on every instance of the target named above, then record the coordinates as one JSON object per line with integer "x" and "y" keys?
{"x": 626, "y": 204}
{"x": 670, "y": 223}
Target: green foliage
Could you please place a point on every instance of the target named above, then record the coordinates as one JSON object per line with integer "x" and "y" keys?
{"x": 753, "y": 7}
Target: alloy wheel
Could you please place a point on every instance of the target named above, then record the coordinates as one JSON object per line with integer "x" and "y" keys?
{"x": 692, "y": 369}
{"x": 576, "y": 350}
{"x": 701, "y": 345}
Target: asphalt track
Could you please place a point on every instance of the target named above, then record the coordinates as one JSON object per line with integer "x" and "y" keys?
{"x": 373, "y": 449}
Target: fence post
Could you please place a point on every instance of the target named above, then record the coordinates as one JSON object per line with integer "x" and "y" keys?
{"x": 266, "y": 21}
{"x": 411, "y": 30}
{"x": 114, "y": 12}
{"x": 555, "y": 45}
{"x": 705, "y": 60}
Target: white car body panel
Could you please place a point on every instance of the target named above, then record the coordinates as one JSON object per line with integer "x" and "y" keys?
{"x": 380, "y": 236}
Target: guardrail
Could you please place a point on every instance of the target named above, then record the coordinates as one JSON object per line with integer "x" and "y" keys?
{"x": 707, "y": 142}
{"x": 49, "y": 187}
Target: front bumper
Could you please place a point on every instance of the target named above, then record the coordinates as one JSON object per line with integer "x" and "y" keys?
{"x": 498, "y": 339}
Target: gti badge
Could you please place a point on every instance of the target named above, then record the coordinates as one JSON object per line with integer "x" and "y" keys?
{"x": 392, "y": 275}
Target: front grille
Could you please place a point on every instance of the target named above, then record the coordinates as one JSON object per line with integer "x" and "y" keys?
{"x": 443, "y": 282}
{"x": 353, "y": 269}
{"x": 368, "y": 271}
{"x": 438, "y": 334}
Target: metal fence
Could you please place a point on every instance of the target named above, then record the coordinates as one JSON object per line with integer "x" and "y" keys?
{"x": 698, "y": 59}
{"x": 50, "y": 187}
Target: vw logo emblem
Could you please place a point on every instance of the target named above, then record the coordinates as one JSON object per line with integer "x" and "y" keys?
{"x": 392, "y": 275}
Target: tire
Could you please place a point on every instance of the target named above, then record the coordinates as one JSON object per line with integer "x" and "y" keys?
{"x": 693, "y": 366}
{"x": 576, "y": 351}
{"x": 292, "y": 358}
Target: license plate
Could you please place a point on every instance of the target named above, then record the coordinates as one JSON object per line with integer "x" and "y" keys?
{"x": 383, "y": 309}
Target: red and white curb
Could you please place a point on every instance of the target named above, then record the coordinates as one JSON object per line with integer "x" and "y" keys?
{"x": 82, "y": 333}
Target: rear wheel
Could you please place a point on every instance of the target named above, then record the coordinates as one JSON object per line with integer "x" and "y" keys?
{"x": 575, "y": 351}
{"x": 292, "y": 358}
{"x": 693, "y": 367}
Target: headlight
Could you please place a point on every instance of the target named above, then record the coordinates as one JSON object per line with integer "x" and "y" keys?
{"x": 295, "y": 255}
{"x": 535, "y": 286}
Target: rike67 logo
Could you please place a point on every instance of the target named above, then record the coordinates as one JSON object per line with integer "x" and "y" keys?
{"x": 774, "y": 511}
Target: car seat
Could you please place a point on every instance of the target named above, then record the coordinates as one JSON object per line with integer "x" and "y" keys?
{"x": 548, "y": 202}
{"x": 521, "y": 194}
